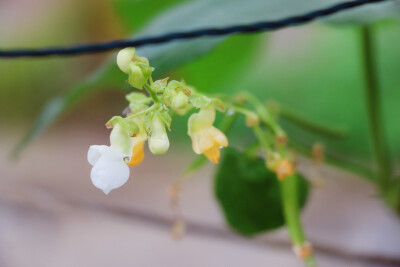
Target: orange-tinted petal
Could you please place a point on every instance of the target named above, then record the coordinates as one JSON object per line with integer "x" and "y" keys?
{"x": 213, "y": 154}
{"x": 137, "y": 153}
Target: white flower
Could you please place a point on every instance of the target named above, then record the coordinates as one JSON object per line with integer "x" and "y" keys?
{"x": 109, "y": 168}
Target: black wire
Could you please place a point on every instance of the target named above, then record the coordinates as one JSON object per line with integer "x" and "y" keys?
{"x": 250, "y": 28}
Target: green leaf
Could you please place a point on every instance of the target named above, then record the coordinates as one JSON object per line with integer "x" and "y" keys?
{"x": 187, "y": 16}
{"x": 249, "y": 194}
{"x": 54, "y": 108}
{"x": 133, "y": 13}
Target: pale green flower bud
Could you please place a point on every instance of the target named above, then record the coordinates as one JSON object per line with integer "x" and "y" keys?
{"x": 158, "y": 142}
{"x": 177, "y": 94}
{"x": 180, "y": 100}
{"x": 124, "y": 58}
{"x": 137, "y": 67}
{"x": 139, "y": 73}
{"x": 136, "y": 77}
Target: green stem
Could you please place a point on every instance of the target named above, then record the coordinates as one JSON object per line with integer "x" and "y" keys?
{"x": 261, "y": 136}
{"x": 337, "y": 161}
{"x": 241, "y": 110}
{"x": 152, "y": 93}
{"x": 291, "y": 211}
{"x": 265, "y": 115}
{"x": 150, "y": 109}
{"x": 373, "y": 99}
{"x": 328, "y": 131}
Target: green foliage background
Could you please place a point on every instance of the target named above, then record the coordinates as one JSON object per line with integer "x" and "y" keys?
{"x": 315, "y": 71}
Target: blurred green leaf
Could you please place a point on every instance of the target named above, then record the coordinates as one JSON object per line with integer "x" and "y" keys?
{"x": 134, "y": 13}
{"x": 54, "y": 108}
{"x": 166, "y": 57}
{"x": 249, "y": 193}
{"x": 329, "y": 87}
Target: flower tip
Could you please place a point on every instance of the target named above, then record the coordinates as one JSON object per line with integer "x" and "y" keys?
{"x": 124, "y": 58}
{"x": 106, "y": 191}
{"x": 159, "y": 145}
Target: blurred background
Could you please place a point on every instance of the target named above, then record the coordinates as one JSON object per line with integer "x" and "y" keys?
{"x": 51, "y": 215}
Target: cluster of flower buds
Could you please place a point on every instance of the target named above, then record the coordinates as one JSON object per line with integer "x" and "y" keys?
{"x": 148, "y": 118}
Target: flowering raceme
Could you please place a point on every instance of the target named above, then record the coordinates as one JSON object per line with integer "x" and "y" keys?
{"x": 149, "y": 116}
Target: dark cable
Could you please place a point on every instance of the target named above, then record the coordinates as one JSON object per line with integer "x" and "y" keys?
{"x": 250, "y": 28}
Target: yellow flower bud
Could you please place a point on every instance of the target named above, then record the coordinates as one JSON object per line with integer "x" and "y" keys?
{"x": 284, "y": 168}
{"x": 206, "y": 139}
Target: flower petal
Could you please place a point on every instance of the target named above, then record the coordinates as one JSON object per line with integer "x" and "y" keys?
{"x": 137, "y": 152}
{"x": 95, "y": 153}
{"x": 109, "y": 173}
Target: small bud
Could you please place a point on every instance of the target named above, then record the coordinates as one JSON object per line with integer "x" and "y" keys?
{"x": 241, "y": 98}
{"x": 303, "y": 251}
{"x": 281, "y": 139}
{"x": 137, "y": 67}
{"x": 272, "y": 160}
{"x": 180, "y": 101}
{"x": 124, "y": 58}
{"x": 158, "y": 142}
{"x": 252, "y": 119}
{"x": 160, "y": 85}
{"x": 136, "y": 76}
{"x": 177, "y": 94}
{"x": 284, "y": 168}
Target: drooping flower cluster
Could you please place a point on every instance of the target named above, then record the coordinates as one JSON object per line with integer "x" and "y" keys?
{"x": 149, "y": 116}
{"x": 147, "y": 119}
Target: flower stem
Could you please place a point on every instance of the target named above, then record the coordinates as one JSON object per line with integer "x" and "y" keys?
{"x": 261, "y": 136}
{"x": 152, "y": 93}
{"x": 373, "y": 99}
{"x": 150, "y": 109}
{"x": 291, "y": 209}
{"x": 312, "y": 126}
